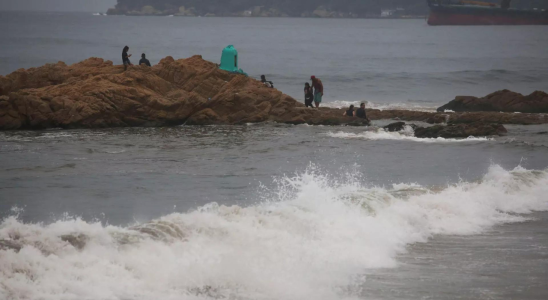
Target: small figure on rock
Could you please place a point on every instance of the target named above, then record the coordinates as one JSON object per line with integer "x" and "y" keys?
{"x": 269, "y": 84}
{"x": 350, "y": 112}
{"x": 125, "y": 57}
{"x": 144, "y": 60}
{"x": 308, "y": 95}
{"x": 318, "y": 90}
{"x": 360, "y": 113}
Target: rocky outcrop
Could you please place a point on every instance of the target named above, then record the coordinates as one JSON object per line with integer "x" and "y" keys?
{"x": 460, "y": 130}
{"x": 95, "y": 94}
{"x": 450, "y": 131}
{"x": 501, "y": 101}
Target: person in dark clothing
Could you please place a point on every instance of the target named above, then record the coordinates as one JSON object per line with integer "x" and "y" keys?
{"x": 144, "y": 60}
{"x": 360, "y": 113}
{"x": 269, "y": 84}
{"x": 308, "y": 95}
{"x": 125, "y": 57}
{"x": 350, "y": 112}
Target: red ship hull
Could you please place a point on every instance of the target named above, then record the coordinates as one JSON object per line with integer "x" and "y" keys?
{"x": 454, "y": 15}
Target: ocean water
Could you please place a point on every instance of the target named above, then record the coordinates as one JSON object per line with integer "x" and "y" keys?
{"x": 398, "y": 62}
{"x": 271, "y": 211}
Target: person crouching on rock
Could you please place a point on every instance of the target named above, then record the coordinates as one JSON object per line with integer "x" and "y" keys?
{"x": 360, "y": 113}
{"x": 308, "y": 95}
{"x": 350, "y": 112}
{"x": 125, "y": 57}
{"x": 144, "y": 60}
{"x": 318, "y": 90}
{"x": 269, "y": 84}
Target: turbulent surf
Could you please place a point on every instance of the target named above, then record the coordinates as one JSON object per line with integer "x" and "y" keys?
{"x": 311, "y": 237}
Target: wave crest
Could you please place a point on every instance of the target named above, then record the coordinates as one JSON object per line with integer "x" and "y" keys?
{"x": 313, "y": 237}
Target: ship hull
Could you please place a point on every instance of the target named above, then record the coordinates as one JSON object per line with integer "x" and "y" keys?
{"x": 463, "y": 15}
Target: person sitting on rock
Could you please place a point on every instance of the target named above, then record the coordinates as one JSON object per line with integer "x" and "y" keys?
{"x": 144, "y": 60}
{"x": 125, "y": 57}
{"x": 318, "y": 90}
{"x": 350, "y": 112}
{"x": 308, "y": 95}
{"x": 269, "y": 84}
{"x": 360, "y": 113}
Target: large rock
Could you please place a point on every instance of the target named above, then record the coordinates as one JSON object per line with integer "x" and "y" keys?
{"x": 501, "y": 101}
{"x": 94, "y": 94}
{"x": 460, "y": 130}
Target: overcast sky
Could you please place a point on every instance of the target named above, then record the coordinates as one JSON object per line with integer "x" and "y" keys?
{"x": 58, "y": 5}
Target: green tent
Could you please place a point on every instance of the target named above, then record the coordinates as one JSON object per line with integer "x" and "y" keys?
{"x": 229, "y": 60}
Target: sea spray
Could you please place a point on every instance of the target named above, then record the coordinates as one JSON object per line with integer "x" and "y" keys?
{"x": 406, "y": 135}
{"x": 313, "y": 240}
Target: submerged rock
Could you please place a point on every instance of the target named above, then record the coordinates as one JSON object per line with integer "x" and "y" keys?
{"x": 500, "y": 101}
{"x": 10, "y": 245}
{"x": 77, "y": 241}
{"x": 460, "y": 130}
{"x": 398, "y": 126}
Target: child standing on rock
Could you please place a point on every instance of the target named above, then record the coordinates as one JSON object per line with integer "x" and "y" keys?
{"x": 308, "y": 95}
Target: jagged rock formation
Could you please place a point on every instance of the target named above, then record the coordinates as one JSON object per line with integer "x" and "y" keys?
{"x": 95, "y": 93}
{"x": 505, "y": 101}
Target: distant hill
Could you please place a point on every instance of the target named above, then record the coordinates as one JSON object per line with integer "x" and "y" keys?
{"x": 271, "y": 8}
{"x": 289, "y": 8}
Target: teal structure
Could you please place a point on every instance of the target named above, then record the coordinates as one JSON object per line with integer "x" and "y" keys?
{"x": 229, "y": 60}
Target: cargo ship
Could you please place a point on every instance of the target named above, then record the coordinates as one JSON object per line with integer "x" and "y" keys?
{"x": 447, "y": 12}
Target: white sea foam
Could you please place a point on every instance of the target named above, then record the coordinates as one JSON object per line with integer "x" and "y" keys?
{"x": 381, "y": 106}
{"x": 311, "y": 240}
{"x": 405, "y": 135}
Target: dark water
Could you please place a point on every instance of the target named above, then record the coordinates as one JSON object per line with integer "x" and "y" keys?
{"x": 270, "y": 211}
{"x": 381, "y": 61}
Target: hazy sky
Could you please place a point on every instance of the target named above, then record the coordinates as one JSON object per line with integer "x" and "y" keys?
{"x": 58, "y": 5}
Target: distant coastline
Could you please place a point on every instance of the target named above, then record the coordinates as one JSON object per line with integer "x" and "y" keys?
{"x": 411, "y": 17}
{"x": 350, "y": 9}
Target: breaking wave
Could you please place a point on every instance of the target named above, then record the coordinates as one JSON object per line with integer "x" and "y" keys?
{"x": 415, "y": 105}
{"x": 310, "y": 238}
{"x": 406, "y": 135}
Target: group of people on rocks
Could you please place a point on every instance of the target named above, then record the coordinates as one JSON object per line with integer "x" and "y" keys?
{"x": 127, "y": 62}
{"x": 359, "y": 113}
{"x": 313, "y": 93}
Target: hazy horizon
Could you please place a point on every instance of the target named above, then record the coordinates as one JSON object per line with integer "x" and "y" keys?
{"x": 57, "y": 5}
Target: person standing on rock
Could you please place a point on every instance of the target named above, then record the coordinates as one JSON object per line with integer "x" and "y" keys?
{"x": 144, "y": 60}
{"x": 125, "y": 57}
{"x": 318, "y": 90}
{"x": 308, "y": 95}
